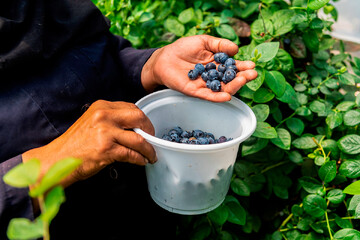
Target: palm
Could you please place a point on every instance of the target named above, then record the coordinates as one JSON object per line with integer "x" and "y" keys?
{"x": 177, "y": 59}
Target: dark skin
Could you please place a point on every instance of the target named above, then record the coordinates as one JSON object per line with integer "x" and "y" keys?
{"x": 103, "y": 134}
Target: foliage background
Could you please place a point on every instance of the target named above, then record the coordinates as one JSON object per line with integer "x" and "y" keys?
{"x": 292, "y": 177}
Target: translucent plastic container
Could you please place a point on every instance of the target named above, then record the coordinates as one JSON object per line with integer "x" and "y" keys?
{"x": 193, "y": 179}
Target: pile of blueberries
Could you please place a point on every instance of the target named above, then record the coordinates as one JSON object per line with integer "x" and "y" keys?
{"x": 197, "y": 137}
{"x": 225, "y": 72}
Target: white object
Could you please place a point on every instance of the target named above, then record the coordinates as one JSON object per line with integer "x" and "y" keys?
{"x": 193, "y": 179}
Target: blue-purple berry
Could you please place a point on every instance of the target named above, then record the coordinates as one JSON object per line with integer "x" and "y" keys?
{"x": 229, "y": 75}
{"x": 221, "y": 68}
{"x": 229, "y": 62}
{"x": 193, "y": 74}
{"x": 210, "y": 66}
{"x": 204, "y": 76}
{"x": 215, "y": 86}
{"x": 200, "y": 68}
{"x": 220, "y": 57}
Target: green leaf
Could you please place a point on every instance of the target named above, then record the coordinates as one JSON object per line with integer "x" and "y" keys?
{"x": 24, "y": 229}
{"x": 254, "y": 148}
{"x": 226, "y": 31}
{"x": 202, "y": 231}
{"x": 345, "y": 106}
{"x": 349, "y": 144}
{"x": 304, "y": 143}
{"x": 174, "y": 26}
{"x": 317, "y": 106}
{"x": 146, "y": 16}
{"x": 350, "y": 168}
{"x": 263, "y": 95}
{"x": 249, "y": 9}
{"x": 219, "y": 215}
{"x": 267, "y": 50}
{"x": 24, "y": 174}
{"x": 311, "y": 185}
{"x": 314, "y": 205}
{"x": 264, "y": 130}
{"x": 317, "y": 4}
{"x": 311, "y": 41}
{"x": 289, "y": 95}
{"x": 295, "y": 157}
{"x": 334, "y": 119}
{"x": 237, "y": 214}
{"x": 257, "y": 82}
{"x": 282, "y": 21}
{"x": 352, "y": 118}
{"x": 343, "y": 223}
{"x": 187, "y": 15}
{"x": 52, "y": 203}
{"x": 336, "y": 196}
{"x": 354, "y": 202}
{"x": 258, "y": 31}
{"x": 240, "y": 187}
{"x": 276, "y": 82}
{"x": 295, "y": 125}
{"x": 327, "y": 172}
{"x": 283, "y": 140}
{"x": 55, "y": 174}
{"x": 347, "y": 79}
{"x": 347, "y": 234}
{"x": 261, "y": 112}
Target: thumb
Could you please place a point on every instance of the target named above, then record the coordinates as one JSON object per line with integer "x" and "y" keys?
{"x": 214, "y": 44}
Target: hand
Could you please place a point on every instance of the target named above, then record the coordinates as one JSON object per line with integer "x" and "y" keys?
{"x": 100, "y": 137}
{"x": 170, "y": 65}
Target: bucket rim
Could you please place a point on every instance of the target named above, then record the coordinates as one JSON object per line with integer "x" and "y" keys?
{"x": 190, "y": 147}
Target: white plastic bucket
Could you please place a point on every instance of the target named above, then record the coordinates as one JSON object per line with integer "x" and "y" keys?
{"x": 193, "y": 179}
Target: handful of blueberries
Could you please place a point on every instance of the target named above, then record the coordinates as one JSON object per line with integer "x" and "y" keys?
{"x": 198, "y": 137}
{"x": 225, "y": 72}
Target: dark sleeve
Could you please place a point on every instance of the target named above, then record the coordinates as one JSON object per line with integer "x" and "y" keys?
{"x": 14, "y": 202}
{"x": 131, "y": 62}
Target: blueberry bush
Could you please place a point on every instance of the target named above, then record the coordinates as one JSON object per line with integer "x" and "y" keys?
{"x": 297, "y": 176}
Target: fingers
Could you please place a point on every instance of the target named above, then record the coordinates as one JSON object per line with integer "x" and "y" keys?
{"x": 239, "y": 81}
{"x": 133, "y": 148}
{"x": 244, "y": 65}
{"x": 215, "y": 45}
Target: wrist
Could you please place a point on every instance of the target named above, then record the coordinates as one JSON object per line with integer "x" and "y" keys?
{"x": 149, "y": 79}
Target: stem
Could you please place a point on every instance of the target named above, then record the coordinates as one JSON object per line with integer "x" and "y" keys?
{"x": 273, "y": 166}
{"x": 286, "y": 221}
{"x": 262, "y": 18}
{"x": 285, "y": 119}
{"x": 45, "y": 223}
{"x": 328, "y": 224}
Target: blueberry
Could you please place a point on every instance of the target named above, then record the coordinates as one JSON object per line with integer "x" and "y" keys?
{"x": 229, "y": 75}
{"x": 200, "y": 68}
{"x": 233, "y": 67}
{"x": 215, "y": 86}
{"x": 194, "y": 141}
{"x": 209, "y": 135}
{"x": 193, "y": 74}
{"x": 211, "y": 140}
{"x": 213, "y": 74}
{"x": 220, "y": 57}
{"x": 174, "y": 137}
{"x": 203, "y": 140}
{"x": 197, "y": 133}
{"x": 210, "y": 66}
{"x": 166, "y": 137}
{"x": 186, "y": 134}
{"x": 221, "y": 68}
{"x": 208, "y": 82}
{"x": 177, "y": 129}
{"x": 220, "y": 75}
{"x": 204, "y": 76}
{"x": 229, "y": 61}
{"x": 184, "y": 140}
{"x": 221, "y": 139}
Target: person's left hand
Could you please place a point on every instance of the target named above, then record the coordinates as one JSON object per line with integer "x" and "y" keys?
{"x": 170, "y": 65}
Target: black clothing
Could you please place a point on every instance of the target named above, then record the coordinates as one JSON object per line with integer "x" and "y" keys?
{"x": 38, "y": 104}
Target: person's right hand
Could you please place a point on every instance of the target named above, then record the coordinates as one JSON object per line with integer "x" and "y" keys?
{"x": 102, "y": 135}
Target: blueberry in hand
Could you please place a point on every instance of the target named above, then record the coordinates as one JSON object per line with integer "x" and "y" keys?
{"x": 221, "y": 68}
{"x": 229, "y": 75}
{"x": 215, "y": 86}
{"x": 193, "y": 74}
{"x": 204, "y": 76}
{"x": 229, "y": 62}
{"x": 200, "y": 68}
{"x": 220, "y": 57}
{"x": 210, "y": 66}
{"x": 233, "y": 67}
{"x": 213, "y": 74}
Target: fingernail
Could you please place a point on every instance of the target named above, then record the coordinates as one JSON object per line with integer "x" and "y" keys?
{"x": 146, "y": 160}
